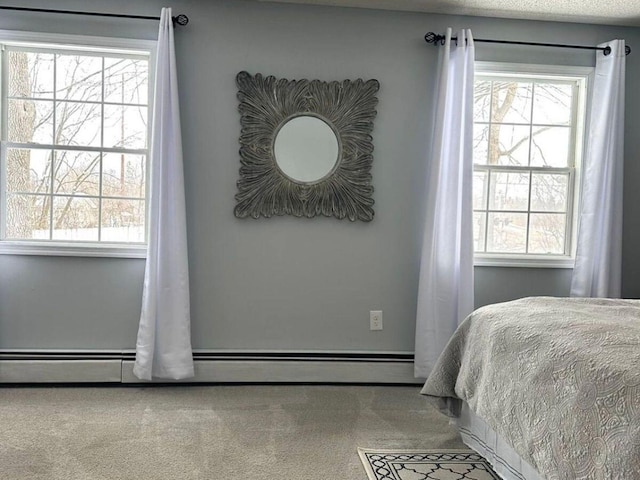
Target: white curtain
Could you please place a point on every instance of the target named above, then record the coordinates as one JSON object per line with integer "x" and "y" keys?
{"x": 597, "y": 271}
{"x": 163, "y": 348}
{"x": 445, "y": 295}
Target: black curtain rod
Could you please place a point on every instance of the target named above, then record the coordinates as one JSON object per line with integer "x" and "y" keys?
{"x": 440, "y": 39}
{"x": 177, "y": 20}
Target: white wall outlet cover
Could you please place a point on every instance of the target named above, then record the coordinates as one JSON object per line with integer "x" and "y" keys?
{"x": 375, "y": 320}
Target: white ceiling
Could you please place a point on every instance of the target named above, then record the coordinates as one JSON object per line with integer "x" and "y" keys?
{"x": 611, "y": 12}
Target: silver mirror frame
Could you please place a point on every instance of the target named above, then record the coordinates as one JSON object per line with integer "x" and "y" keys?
{"x": 267, "y": 103}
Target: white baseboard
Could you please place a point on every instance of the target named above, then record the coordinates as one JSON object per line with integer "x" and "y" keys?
{"x": 60, "y": 371}
{"x": 274, "y": 371}
{"x": 230, "y": 367}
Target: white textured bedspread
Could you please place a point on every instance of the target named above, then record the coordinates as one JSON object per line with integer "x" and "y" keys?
{"x": 557, "y": 378}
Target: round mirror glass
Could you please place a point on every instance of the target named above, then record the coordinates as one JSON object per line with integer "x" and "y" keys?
{"x": 306, "y": 149}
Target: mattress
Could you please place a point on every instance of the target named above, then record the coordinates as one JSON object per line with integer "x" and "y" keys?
{"x": 557, "y": 378}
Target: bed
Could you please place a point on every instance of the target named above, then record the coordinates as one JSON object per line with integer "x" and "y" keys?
{"x": 547, "y": 387}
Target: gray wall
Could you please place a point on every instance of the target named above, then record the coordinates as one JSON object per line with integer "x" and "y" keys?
{"x": 287, "y": 283}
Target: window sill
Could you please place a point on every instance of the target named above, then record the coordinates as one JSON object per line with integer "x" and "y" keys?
{"x": 529, "y": 261}
{"x": 68, "y": 250}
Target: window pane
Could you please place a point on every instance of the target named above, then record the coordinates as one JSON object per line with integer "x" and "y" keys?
{"x": 550, "y": 146}
{"x": 509, "y": 191}
{"x": 126, "y": 81}
{"x": 480, "y": 144}
{"x": 509, "y": 145}
{"x": 123, "y": 175}
{"x": 125, "y": 127}
{"x": 511, "y": 102}
{"x": 552, "y": 103}
{"x": 30, "y": 74}
{"x": 507, "y": 232}
{"x": 479, "y": 190}
{"x": 75, "y": 100}
{"x": 524, "y": 163}
{"x": 79, "y": 77}
{"x": 30, "y": 121}
{"x": 123, "y": 220}
{"x": 547, "y": 233}
{"x": 28, "y": 171}
{"x": 78, "y": 124}
{"x": 77, "y": 172}
{"x": 75, "y": 218}
{"x": 549, "y": 192}
{"x": 479, "y": 227}
{"x": 27, "y": 217}
{"x": 481, "y": 100}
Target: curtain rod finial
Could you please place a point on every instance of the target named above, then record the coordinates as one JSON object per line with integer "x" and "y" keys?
{"x": 434, "y": 38}
{"x": 181, "y": 20}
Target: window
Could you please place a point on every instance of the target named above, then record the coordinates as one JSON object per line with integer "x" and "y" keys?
{"x": 527, "y": 141}
{"x": 74, "y": 147}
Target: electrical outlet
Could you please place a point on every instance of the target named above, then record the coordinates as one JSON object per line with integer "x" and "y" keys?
{"x": 375, "y": 320}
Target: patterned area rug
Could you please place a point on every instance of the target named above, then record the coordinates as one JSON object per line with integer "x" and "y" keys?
{"x": 425, "y": 465}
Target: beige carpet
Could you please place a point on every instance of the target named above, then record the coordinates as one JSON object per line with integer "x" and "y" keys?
{"x": 212, "y": 433}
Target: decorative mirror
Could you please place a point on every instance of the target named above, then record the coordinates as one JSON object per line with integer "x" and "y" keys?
{"x": 305, "y": 147}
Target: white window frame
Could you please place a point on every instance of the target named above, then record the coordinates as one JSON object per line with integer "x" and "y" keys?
{"x": 584, "y": 78}
{"x": 88, "y": 44}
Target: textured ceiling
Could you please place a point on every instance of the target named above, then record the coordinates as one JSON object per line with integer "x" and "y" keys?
{"x": 611, "y": 12}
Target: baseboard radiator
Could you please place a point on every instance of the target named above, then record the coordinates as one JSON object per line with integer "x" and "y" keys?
{"x": 114, "y": 367}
